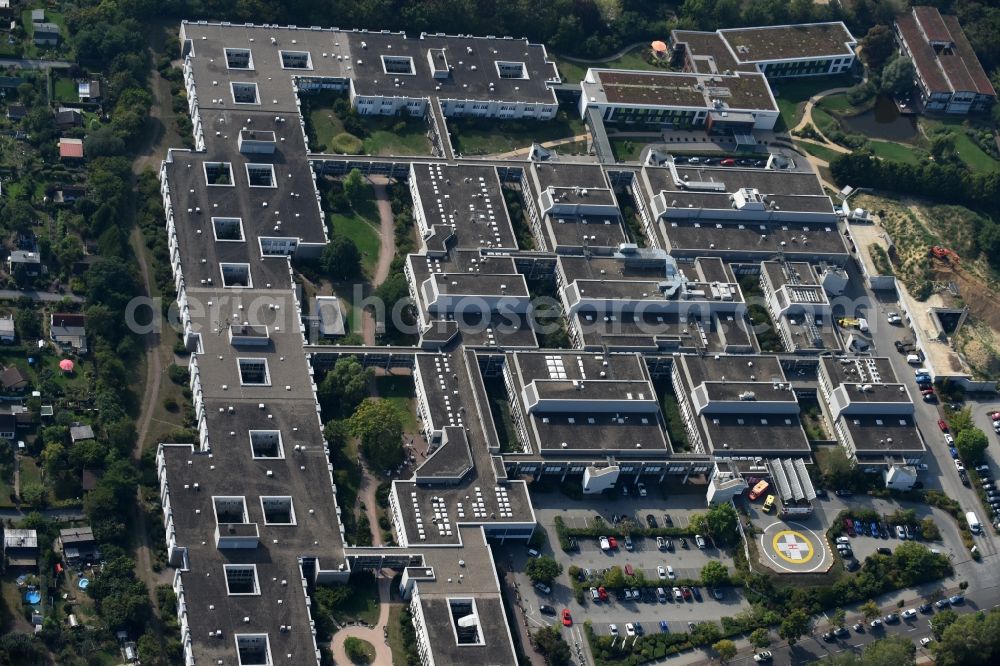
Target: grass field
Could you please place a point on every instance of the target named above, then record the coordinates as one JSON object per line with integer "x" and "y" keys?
{"x": 573, "y": 72}
{"x": 888, "y": 150}
{"x": 970, "y": 153}
{"x": 395, "y": 634}
{"x": 363, "y": 233}
{"x": 837, "y": 102}
{"x": 821, "y": 152}
{"x": 65, "y": 90}
{"x": 473, "y": 136}
{"x": 627, "y": 150}
{"x": 362, "y": 605}
{"x": 388, "y": 135}
{"x": 6, "y": 487}
{"x": 401, "y": 392}
{"x": 792, "y": 95}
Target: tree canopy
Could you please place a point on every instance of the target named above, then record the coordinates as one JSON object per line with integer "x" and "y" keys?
{"x": 714, "y": 574}
{"x": 971, "y": 444}
{"x": 542, "y": 569}
{"x": 341, "y": 259}
{"x": 379, "y": 426}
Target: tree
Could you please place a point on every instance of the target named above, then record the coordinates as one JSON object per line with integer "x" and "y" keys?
{"x": 379, "y": 426}
{"x": 614, "y": 578}
{"x": 837, "y": 617}
{"x": 542, "y": 569}
{"x": 893, "y": 650}
{"x": 27, "y": 323}
{"x": 960, "y": 420}
{"x": 34, "y": 495}
{"x": 552, "y": 645}
{"x": 877, "y": 45}
{"x": 344, "y": 386}
{"x": 870, "y": 610}
{"x": 942, "y": 620}
{"x": 721, "y": 521}
{"x": 760, "y": 638}
{"x": 795, "y": 625}
{"x": 705, "y": 633}
{"x": 969, "y": 640}
{"x": 897, "y": 77}
{"x": 971, "y": 444}
{"x": 354, "y": 188}
{"x": 838, "y": 470}
{"x": 929, "y": 530}
{"x": 726, "y": 649}
{"x": 341, "y": 259}
{"x": 714, "y": 574}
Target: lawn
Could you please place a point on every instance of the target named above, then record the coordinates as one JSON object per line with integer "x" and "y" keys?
{"x": 66, "y": 90}
{"x": 395, "y": 635}
{"x": 387, "y": 135}
{"x": 362, "y": 605}
{"x": 888, "y": 150}
{"x": 626, "y": 150}
{"x": 475, "y": 136}
{"x": 364, "y": 234}
{"x": 837, "y": 102}
{"x": 6, "y": 487}
{"x": 822, "y": 152}
{"x": 400, "y": 391}
{"x": 792, "y": 95}
{"x": 572, "y": 72}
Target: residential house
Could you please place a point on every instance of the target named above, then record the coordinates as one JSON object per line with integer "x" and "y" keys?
{"x": 70, "y": 149}
{"x": 89, "y": 91}
{"x": 67, "y": 194}
{"x": 37, "y": 15}
{"x": 68, "y": 118}
{"x": 7, "y": 332}
{"x": 20, "y": 548}
{"x": 16, "y": 111}
{"x": 78, "y": 545}
{"x": 6, "y": 11}
{"x": 81, "y": 433}
{"x": 28, "y": 262}
{"x": 46, "y": 34}
{"x": 69, "y": 331}
{"x": 13, "y": 380}
{"x": 8, "y": 427}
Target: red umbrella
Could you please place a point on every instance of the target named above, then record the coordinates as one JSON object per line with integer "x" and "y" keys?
{"x": 659, "y": 46}
{"x": 66, "y": 365}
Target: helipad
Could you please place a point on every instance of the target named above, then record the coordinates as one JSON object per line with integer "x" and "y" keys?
{"x": 792, "y": 548}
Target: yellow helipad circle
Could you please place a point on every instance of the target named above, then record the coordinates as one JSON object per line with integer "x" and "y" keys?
{"x": 792, "y": 546}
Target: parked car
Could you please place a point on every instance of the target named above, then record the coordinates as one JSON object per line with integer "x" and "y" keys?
{"x": 875, "y": 624}
{"x": 629, "y": 629}
{"x": 925, "y": 641}
{"x": 664, "y": 627}
{"x": 942, "y": 603}
{"x": 894, "y": 318}
{"x": 629, "y": 571}
{"x": 651, "y": 521}
{"x": 613, "y": 542}
{"x": 670, "y": 573}
{"x": 841, "y": 632}
{"x": 603, "y": 593}
{"x": 829, "y": 637}
{"x": 843, "y": 493}
{"x": 957, "y": 600}
{"x": 605, "y": 543}
{"x": 613, "y": 630}
{"x": 884, "y": 551}
{"x": 642, "y": 489}
{"x": 909, "y": 613}
{"x": 567, "y": 619}
{"x": 670, "y": 544}
{"x": 729, "y": 161}
{"x": 763, "y": 657}
{"x": 942, "y": 425}
{"x": 667, "y": 520}
{"x": 661, "y": 572}
{"x": 858, "y": 627}
{"x": 678, "y": 595}
{"x": 843, "y": 539}
{"x": 699, "y": 540}
{"x": 628, "y": 543}
{"x": 661, "y": 543}
{"x": 543, "y": 588}
{"x": 696, "y": 593}
{"x": 638, "y": 628}
{"x": 925, "y": 608}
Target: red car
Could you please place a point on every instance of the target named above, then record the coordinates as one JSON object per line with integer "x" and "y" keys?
{"x": 602, "y": 593}
{"x": 849, "y": 525}
{"x": 613, "y": 542}
{"x": 629, "y": 571}
{"x": 567, "y": 619}
{"x": 729, "y": 161}
{"x": 942, "y": 425}
{"x": 686, "y": 591}
{"x": 995, "y": 416}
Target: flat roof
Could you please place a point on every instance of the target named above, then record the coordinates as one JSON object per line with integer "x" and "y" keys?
{"x": 784, "y": 182}
{"x": 651, "y": 332}
{"x": 750, "y": 433}
{"x": 707, "y": 52}
{"x": 789, "y": 42}
{"x": 585, "y": 231}
{"x": 882, "y": 433}
{"x": 699, "y": 369}
{"x": 859, "y": 370}
{"x": 358, "y": 56}
{"x": 760, "y": 240}
{"x": 742, "y": 90}
{"x": 468, "y": 199}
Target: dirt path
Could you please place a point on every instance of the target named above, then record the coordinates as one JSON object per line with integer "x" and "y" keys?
{"x": 810, "y": 103}
{"x": 375, "y": 635}
{"x": 546, "y": 144}
{"x": 386, "y": 250}
{"x": 366, "y": 494}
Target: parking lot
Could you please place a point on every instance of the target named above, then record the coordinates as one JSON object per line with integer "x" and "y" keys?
{"x": 645, "y": 557}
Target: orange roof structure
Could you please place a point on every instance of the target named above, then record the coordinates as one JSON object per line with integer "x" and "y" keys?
{"x": 659, "y": 46}
{"x": 70, "y": 148}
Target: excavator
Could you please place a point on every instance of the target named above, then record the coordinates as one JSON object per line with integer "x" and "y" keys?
{"x": 944, "y": 254}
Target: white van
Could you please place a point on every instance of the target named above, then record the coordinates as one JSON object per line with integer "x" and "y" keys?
{"x": 974, "y": 525}
{"x": 863, "y": 325}
{"x": 913, "y": 359}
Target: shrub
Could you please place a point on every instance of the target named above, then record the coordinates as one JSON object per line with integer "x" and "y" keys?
{"x": 347, "y": 144}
